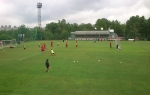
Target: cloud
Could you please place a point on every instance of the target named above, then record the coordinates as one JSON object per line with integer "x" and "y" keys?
{"x": 15, "y": 12}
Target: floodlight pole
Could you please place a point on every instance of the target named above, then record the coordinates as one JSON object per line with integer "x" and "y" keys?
{"x": 39, "y": 6}
{"x": 38, "y": 32}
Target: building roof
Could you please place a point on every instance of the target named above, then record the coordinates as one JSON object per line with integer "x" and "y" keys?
{"x": 90, "y": 32}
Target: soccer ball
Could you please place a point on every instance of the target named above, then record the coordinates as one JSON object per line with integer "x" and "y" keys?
{"x": 74, "y": 61}
{"x": 99, "y": 60}
{"x": 4, "y": 50}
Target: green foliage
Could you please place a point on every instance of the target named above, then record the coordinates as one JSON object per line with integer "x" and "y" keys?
{"x": 5, "y": 37}
{"x": 134, "y": 27}
{"x": 101, "y": 23}
{"x": 147, "y": 29}
{"x": 86, "y": 27}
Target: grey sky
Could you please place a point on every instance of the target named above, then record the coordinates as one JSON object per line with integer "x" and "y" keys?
{"x": 16, "y": 12}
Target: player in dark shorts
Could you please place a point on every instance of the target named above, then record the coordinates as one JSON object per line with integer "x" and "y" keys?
{"x": 39, "y": 45}
{"x": 24, "y": 47}
{"x": 47, "y": 65}
{"x": 117, "y": 46}
{"x": 52, "y": 52}
{"x": 110, "y": 45}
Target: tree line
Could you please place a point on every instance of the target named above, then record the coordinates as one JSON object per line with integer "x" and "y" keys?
{"x": 134, "y": 27}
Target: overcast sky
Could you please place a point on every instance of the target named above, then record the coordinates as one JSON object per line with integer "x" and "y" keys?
{"x": 17, "y": 12}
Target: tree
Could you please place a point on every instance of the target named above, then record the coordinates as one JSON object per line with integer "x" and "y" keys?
{"x": 142, "y": 27}
{"x": 5, "y": 37}
{"x": 147, "y": 33}
{"x": 86, "y": 27}
{"x": 102, "y": 23}
{"x": 133, "y": 27}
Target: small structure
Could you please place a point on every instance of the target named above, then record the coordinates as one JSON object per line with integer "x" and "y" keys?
{"x": 89, "y": 35}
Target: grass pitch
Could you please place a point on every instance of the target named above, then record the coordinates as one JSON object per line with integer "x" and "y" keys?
{"x": 119, "y": 72}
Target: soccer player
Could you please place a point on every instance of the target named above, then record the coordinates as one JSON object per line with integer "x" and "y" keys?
{"x": 66, "y": 44}
{"x": 117, "y": 47}
{"x": 42, "y": 48}
{"x": 51, "y": 43}
{"x": 52, "y": 52}
{"x": 110, "y": 45}
{"x": 39, "y": 45}
{"x": 24, "y": 47}
{"x": 95, "y": 41}
{"x": 47, "y": 65}
{"x": 76, "y": 44}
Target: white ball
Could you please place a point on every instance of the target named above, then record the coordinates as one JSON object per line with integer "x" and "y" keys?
{"x": 4, "y": 50}
{"x": 99, "y": 60}
{"x": 74, "y": 61}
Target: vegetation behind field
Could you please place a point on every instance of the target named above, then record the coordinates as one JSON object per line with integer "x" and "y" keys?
{"x": 136, "y": 27}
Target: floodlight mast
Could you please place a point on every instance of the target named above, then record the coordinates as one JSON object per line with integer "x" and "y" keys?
{"x": 39, "y": 6}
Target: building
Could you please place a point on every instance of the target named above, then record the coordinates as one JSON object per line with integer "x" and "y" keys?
{"x": 92, "y": 35}
{"x": 96, "y": 35}
{"x": 6, "y": 28}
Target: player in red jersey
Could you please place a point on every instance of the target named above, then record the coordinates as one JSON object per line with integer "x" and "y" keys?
{"x": 51, "y": 43}
{"x": 66, "y": 44}
{"x": 42, "y": 48}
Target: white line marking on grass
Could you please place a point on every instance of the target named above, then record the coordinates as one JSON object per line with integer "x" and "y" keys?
{"x": 9, "y": 94}
{"x": 31, "y": 55}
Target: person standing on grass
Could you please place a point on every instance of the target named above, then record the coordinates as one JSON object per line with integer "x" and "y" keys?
{"x": 45, "y": 46}
{"x": 39, "y": 45}
{"x": 42, "y": 48}
{"x": 95, "y": 41}
{"x": 76, "y": 44}
{"x": 66, "y": 44}
{"x": 110, "y": 45}
{"x": 52, "y": 52}
{"x": 47, "y": 65}
{"x": 51, "y": 43}
{"x": 117, "y": 46}
{"x": 24, "y": 47}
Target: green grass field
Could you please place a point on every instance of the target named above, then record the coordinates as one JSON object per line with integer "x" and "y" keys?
{"x": 119, "y": 72}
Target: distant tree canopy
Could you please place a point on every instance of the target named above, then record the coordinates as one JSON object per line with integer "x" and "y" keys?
{"x": 134, "y": 27}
